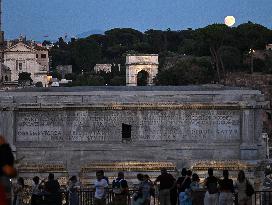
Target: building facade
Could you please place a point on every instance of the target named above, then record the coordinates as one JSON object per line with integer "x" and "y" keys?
{"x": 102, "y": 67}
{"x": 26, "y": 57}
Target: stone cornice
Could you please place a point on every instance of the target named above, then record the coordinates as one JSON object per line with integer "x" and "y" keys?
{"x": 130, "y": 106}
{"x": 140, "y": 106}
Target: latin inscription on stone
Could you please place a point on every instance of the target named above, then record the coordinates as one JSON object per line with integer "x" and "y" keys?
{"x": 147, "y": 125}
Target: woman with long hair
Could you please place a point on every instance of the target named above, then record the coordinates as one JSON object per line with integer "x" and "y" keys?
{"x": 241, "y": 186}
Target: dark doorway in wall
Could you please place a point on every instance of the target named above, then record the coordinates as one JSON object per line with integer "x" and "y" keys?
{"x": 142, "y": 78}
{"x": 126, "y": 132}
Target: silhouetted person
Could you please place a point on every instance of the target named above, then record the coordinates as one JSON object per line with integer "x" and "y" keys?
{"x": 166, "y": 184}
{"x": 120, "y": 190}
{"x": 241, "y": 186}
{"x": 73, "y": 188}
{"x": 36, "y": 191}
{"x": 226, "y": 189}
{"x": 52, "y": 188}
{"x": 183, "y": 197}
{"x": 7, "y": 171}
{"x": 211, "y": 185}
{"x": 180, "y": 182}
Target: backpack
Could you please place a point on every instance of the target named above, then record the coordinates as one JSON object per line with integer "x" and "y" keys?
{"x": 117, "y": 187}
{"x": 249, "y": 189}
{"x": 212, "y": 188}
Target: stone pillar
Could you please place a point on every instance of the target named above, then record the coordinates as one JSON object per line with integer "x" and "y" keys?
{"x": 248, "y": 149}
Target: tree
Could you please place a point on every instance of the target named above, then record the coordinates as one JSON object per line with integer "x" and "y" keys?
{"x": 25, "y": 79}
{"x": 85, "y": 54}
{"x": 214, "y": 36}
{"x": 118, "y": 81}
{"x": 231, "y": 58}
{"x": 39, "y": 84}
{"x": 187, "y": 71}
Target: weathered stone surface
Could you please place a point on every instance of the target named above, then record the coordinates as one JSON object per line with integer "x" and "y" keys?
{"x": 174, "y": 124}
{"x": 138, "y": 62}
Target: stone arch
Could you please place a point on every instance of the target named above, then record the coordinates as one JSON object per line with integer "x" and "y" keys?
{"x": 143, "y": 78}
{"x": 135, "y": 63}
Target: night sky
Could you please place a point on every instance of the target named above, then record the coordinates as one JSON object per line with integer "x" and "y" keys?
{"x": 37, "y": 18}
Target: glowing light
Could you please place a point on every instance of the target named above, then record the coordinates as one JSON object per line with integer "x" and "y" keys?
{"x": 49, "y": 78}
{"x": 230, "y": 20}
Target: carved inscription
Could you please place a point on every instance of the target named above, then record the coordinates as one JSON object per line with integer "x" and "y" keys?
{"x": 105, "y": 125}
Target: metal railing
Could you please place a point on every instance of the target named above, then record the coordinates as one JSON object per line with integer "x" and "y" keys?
{"x": 262, "y": 198}
{"x": 86, "y": 197}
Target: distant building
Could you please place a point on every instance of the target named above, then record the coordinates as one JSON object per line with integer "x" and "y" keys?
{"x": 26, "y": 56}
{"x": 136, "y": 63}
{"x": 269, "y": 47}
{"x": 64, "y": 69}
{"x": 102, "y": 67}
{"x": 5, "y": 73}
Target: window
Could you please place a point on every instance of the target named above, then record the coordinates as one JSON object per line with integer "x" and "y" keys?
{"x": 126, "y": 132}
{"x": 37, "y": 55}
{"x": 20, "y": 66}
{"x": 43, "y": 55}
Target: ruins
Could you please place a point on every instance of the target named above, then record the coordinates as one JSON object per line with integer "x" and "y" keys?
{"x": 79, "y": 130}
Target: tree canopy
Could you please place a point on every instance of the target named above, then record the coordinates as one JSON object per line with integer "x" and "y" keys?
{"x": 226, "y": 49}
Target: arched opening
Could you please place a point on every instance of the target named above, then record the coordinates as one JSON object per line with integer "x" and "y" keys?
{"x": 142, "y": 78}
{"x": 6, "y": 78}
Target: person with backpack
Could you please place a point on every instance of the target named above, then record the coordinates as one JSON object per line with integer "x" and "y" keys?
{"x": 211, "y": 184}
{"x": 244, "y": 198}
{"x": 185, "y": 186}
{"x": 179, "y": 182}
{"x": 120, "y": 190}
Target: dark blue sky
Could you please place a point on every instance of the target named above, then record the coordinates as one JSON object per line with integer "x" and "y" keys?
{"x": 36, "y": 18}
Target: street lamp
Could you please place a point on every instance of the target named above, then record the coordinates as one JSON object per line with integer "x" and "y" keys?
{"x": 251, "y": 52}
{"x": 265, "y": 137}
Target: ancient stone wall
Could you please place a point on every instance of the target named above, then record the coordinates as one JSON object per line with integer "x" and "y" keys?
{"x": 69, "y": 131}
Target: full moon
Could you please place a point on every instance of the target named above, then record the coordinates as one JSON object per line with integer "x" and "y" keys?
{"x": 230, "y": 20}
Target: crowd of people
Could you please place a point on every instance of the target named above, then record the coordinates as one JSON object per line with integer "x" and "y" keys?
{"x": 171, "y": 191}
